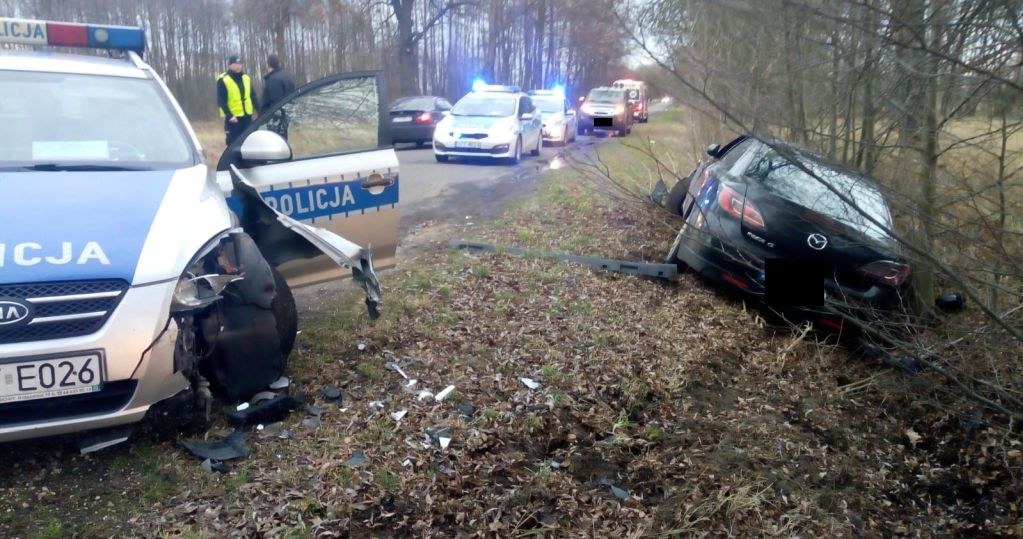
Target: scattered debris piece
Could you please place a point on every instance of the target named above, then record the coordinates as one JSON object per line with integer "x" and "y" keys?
{"x": 311, "y": 423}
{"x": 243, "y": 406}
{"x": 466, "y": 409}
{"x": 266, "y": 411}
{"x": 276, "y": 430}
{"x": 950, "y": 303}
{"x": 102, "y": 439}
{"x": 530, "y": 383}
{"x": 231, "y": 447}
{"x": 211, "y": 465}
{"x": 280, "y": 383}
{"x": 357, "y": 459}
{"x": 444, "y": 393}
{"x": 391, "y": 365}
{"x": 331, "y": 393}
{"x": 649, "y": 269}
{"x": 376, "y": 405}
{"x": 361, "y": 346}
{"x": 315, "y": 410}
{"x": 440, "y": 436}
{"x": 618, "y": 492}
{"x": 424, "y": 394}
{"x": 262, "y": 396}
{"x": 399, "y": 414}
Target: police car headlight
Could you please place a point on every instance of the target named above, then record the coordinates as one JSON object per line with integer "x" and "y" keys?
{"x": 209, "y": 272}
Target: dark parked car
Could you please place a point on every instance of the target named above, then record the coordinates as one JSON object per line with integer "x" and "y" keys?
{"x": 750, "y": 211}
{"x": 414, "y": 118}
{"x": 606, "y": 109}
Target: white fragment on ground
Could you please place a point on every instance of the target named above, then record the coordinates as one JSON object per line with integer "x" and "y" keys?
{"x": 443, "y": 394}
{"x": 444, "y": 442}
{"x": 424, "y": 394}
{"x": 361, "y": 346}
{"x": 530, "y": 383}
{"x": 280, "y": 383}
{"x": 242, "y": 406}
{"x": 399, "y": 415}
{"x": 376, "y": 405}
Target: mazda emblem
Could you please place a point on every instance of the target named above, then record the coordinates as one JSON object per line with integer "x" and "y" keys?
{"x": 14, "y": 313}
{"x": 817, "y": 242}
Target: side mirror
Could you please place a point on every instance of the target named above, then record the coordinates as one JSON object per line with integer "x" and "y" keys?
{"x": 265, "y": 146}
{"x": 526, "y": 116}
{"x": 712, "y": 150}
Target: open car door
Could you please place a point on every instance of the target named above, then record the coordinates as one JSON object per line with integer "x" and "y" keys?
{"x": 314, "y": 181}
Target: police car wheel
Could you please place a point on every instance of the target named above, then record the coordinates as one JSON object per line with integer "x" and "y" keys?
{"x": 285, "y": 313}
{"x": 539, "y": 143}
{"x": 516, "y": 154}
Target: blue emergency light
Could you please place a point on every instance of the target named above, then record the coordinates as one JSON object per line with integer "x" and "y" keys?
{"x": 479, "y": 85}
{"x": 69, "y": 34}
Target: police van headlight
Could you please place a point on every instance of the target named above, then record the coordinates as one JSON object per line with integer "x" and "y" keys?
{"x": 207, "y": 275}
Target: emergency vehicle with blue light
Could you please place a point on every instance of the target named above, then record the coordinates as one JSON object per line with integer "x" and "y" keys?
{"x": 133, "y": 274}
{"x": 493, "y": 121}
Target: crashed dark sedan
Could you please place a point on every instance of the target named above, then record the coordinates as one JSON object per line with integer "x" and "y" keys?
{"x": 757, "y": 221}
{"x": 413, "y": 119}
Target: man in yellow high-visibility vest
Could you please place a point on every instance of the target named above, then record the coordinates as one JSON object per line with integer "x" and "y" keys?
{"x": 235, "y": 99}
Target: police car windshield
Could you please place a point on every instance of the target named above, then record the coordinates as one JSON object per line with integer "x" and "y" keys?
{"x": 549, "y": 105}
{"x": 604, "y": 96}
{"x": 63, "y": 121}
{"x": 492, "y": 105}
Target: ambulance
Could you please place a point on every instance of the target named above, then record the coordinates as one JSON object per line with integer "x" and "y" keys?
{"x": 133, "y": 272}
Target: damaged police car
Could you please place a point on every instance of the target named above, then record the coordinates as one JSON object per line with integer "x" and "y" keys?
{"x": 130, "y": 273}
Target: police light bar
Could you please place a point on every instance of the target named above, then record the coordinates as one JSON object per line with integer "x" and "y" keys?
{"x": 495, "y": 88}
{"x": 70, "y": 34}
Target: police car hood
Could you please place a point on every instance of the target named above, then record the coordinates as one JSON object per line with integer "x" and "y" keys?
{"x": 477, "y": 122}
{"x": 139, "y": 226}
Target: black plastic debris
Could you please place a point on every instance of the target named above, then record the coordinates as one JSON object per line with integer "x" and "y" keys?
{"x": 275, "y": 430}
{"x": 314, "y": 410}
{"x": 265, "y": 411}
{"x": 387, "y": 504}
{"x": 211, "y": 465}
{"x": 950, "y": 303}
{"x": 230, "y": 448}
{"x": 331, "y": 393}
{"x": 466, "y": 409}
{"x": 357, "y": 459}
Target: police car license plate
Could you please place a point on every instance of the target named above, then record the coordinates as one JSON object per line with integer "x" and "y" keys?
{"x": 467, "y": 144}
{"x": 402, "y": 119}
{"x": 51, "y": 377}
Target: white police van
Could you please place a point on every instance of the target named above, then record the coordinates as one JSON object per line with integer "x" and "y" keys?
{"x": 130, "y": 272}
{"x": 494, "y": 121}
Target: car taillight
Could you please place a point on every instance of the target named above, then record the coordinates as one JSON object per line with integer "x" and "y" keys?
{"x": 886, "y": 271}
{"x": 737, "y": 206}
{"x": 424, "y": 118}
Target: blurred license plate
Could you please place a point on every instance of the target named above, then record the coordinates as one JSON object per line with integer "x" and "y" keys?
{"x": 402, "y": 119}
{"x": 466, "y": 144}
{"x": 51, "y": 377}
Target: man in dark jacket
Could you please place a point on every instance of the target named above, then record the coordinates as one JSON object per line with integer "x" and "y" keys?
{"x": 277, "y": 83}
{"x": 234, "y": 99}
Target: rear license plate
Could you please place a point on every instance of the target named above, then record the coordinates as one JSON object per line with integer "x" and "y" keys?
{"x": 402, "y": 119}
{"x": 467, "y": 144}
{"x": 602, "y": 122}
{"x": 32, "y": 379}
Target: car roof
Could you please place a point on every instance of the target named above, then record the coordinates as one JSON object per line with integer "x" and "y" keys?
{"x": 54, "y": 62}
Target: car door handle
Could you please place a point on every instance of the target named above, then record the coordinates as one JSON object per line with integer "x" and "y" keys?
{"x": 377, "y": 181}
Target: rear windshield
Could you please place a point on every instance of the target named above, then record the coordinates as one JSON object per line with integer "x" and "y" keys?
{"x": 786, "y": 180}
{"x": 486, "y": 104}
{"x": 605, "y": 96}
{"x": 73, "y": 119}
{"x": 414, "y": 103}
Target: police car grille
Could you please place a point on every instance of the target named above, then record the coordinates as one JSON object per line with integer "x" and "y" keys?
{"x": 475, "y": 136}
{"x": 113, "y": 397}
{"x": 63, "y": 309}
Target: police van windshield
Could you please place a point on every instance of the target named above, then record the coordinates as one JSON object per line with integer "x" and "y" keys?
{"x": 486, "y": 104}
{"x": 55, "y": 120}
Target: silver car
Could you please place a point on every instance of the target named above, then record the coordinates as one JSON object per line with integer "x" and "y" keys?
{"x": 131, "y": 272}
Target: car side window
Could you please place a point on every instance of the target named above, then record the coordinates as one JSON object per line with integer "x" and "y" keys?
{"x": 524, "y": 105}
{"x": 735, "y": 153}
